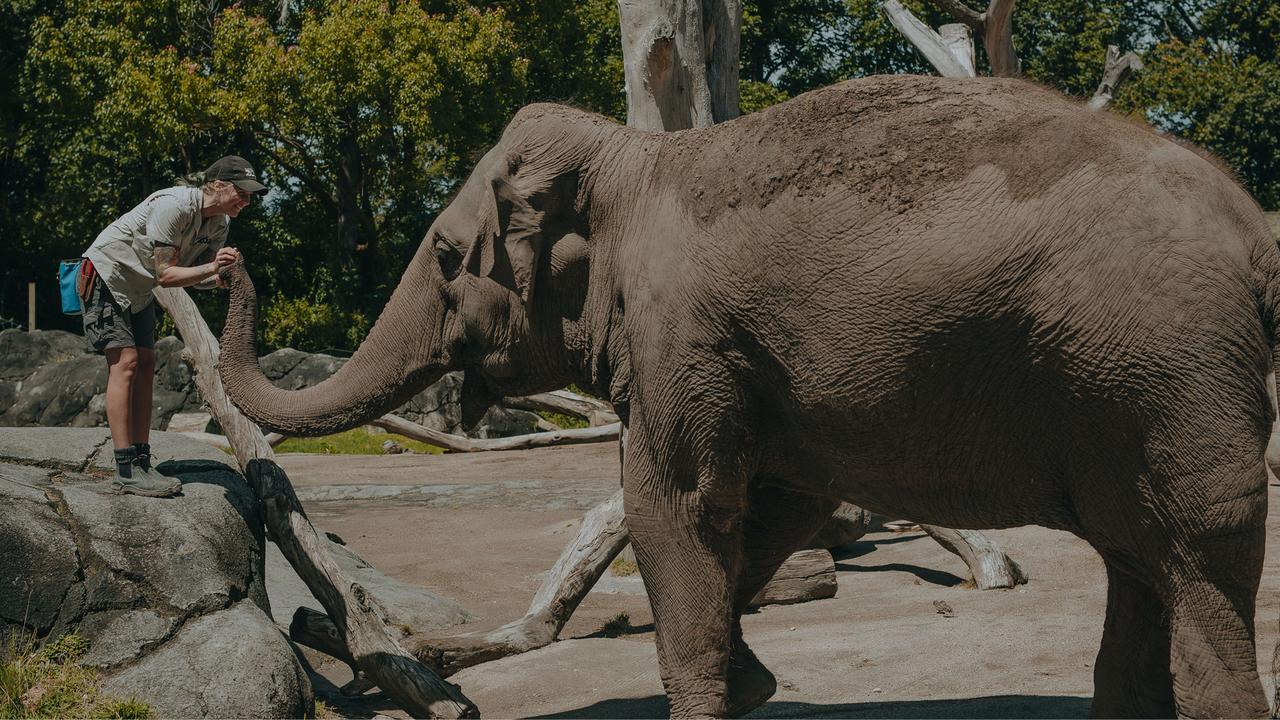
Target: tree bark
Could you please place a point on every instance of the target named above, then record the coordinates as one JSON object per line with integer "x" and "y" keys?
{"x": 359, "y": 617}
{"x": 680, "y": 62}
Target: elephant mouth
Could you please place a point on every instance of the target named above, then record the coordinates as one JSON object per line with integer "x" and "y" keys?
{"x": 476, "y": 398}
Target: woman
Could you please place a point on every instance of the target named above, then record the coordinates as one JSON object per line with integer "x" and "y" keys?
{"x": 174, "y": 238}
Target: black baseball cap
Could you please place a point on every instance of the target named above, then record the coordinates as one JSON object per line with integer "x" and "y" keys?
{"x": 237, "y": 171}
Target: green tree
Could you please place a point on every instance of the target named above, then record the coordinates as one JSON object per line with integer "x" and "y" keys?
{"x": 1218, "y": 85}
{"x": 362, "y": 116}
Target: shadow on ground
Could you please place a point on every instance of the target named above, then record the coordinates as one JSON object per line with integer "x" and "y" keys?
{"x": 996, "y": 706}
{"x": 933, "y": 577}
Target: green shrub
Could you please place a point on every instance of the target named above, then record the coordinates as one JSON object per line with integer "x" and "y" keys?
{"x": 310, "y": 325}
{"x": 567, "y": 422}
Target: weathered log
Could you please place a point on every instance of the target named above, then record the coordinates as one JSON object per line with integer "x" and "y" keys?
{"x": 457, "y": 443}
{"x": 1118, "y": 69}
{"x": 595, "y": 412}
{"x": 990, "y": 567}
{"x": 602, "y": 536}
{"x": 806, "y": 575}
{"x": 220, "y": 441}
{"x": 359, "y": 617}
{"x": 315, "y": 630}
{"x": 947, "y": 54}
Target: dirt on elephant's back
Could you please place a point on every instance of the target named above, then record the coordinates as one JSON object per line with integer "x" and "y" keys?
{"x": 880, "y": 648}
{"x": 888, "y": 142}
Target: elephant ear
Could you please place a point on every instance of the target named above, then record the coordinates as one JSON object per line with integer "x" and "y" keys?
{"x": 513, "y": 235}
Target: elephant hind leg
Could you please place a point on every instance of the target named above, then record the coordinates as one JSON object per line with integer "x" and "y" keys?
{"x": 1213, "y": 658}
{"x": 1131, "y": 676}
{"x": 1188, "y": 554}
{"x": 778, "y": 522}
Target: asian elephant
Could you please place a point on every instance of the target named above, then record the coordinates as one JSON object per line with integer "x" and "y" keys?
{"x": 970, "y": 302}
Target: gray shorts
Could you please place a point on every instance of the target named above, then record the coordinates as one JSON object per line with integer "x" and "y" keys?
{"x": 107, "y": 325}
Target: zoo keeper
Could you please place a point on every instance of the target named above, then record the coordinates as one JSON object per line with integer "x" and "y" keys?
{"x": 174, "y": 238}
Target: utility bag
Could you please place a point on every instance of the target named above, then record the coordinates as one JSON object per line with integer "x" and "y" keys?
{"x": 68, "y": 285}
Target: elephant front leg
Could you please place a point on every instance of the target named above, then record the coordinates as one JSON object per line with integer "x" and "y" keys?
{"x": 687, "y": 535}
{"x": 778, "y": 523}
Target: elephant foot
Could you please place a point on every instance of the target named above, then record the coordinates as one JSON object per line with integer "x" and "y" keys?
{"x": 750, "y": 683}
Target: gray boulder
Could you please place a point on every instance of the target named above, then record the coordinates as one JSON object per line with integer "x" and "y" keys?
{"x": 169, "y": 592}
{"x": 48, "y": 378}
{"x": 67, "y": 389}
{"x": 61, "y": 393}
{"x": 22, "y": 352}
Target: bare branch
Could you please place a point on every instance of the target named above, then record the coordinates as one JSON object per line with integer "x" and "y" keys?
{"x": 596, "y": 412}
{"x": 930, "y": 44}
{"x": 1118, "y": 69}
{"x": 962, "y": 13}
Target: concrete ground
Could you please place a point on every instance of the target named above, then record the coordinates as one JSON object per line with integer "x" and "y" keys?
{"x": 482, "y": 528}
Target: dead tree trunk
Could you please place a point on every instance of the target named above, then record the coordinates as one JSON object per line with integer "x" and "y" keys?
{"x": 680, "y": 62}
{"x": 458, "y": 443}
{"x": 950, "y": 50}
{"x": 1118, "y": 69}
{"x": 359, "y": 617}
{"x": 994, "y": 26}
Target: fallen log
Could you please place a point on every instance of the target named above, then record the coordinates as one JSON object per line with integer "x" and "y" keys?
{"x": 593, "y": 411}
{"x": 990, "y": 567}
{"x": 602, "y": 536}
{"x": 221, "y": 441}
{"x": 457, "y": 443}
{"x": 806, "y": 575}
{"x": 360, "y": 619}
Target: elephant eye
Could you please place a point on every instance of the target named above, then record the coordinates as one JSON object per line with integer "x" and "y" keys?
{"x": 448, "y": 256}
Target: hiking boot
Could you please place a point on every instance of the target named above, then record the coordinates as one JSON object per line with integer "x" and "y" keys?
{"x": 132, "y": 478}
{"x": 146, "y": 483}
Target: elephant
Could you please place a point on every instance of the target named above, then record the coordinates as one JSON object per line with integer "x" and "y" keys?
{"x": 974, "y": 303}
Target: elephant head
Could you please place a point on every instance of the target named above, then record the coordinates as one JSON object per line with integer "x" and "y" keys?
{"x": 497, "y": 288}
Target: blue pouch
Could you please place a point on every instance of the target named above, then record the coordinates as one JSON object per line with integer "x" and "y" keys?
{"x": 68, "y": 272}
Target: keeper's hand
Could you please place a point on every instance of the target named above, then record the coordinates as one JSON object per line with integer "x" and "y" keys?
{"x": 226, "y": 256}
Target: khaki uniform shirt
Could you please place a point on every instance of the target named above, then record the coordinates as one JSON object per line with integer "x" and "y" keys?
{"x": 123, "y": 252}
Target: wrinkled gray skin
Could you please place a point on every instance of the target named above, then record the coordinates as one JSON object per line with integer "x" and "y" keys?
{"x": 967, "y": 302}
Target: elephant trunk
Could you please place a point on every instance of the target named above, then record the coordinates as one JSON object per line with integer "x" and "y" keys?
{"x": 405, "y": 352}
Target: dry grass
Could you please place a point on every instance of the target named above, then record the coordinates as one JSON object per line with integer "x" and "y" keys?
{"x": 615, "y": 626}
{"x": 622, "y": 567}
{"x": 49, "y": 682}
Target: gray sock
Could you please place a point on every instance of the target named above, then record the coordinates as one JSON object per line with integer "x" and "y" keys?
{"x": 124, "y": 461}
{"x": 143, "y": 451}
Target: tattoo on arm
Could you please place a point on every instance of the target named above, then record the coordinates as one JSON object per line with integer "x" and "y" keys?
{"x": 166, "y": 256}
